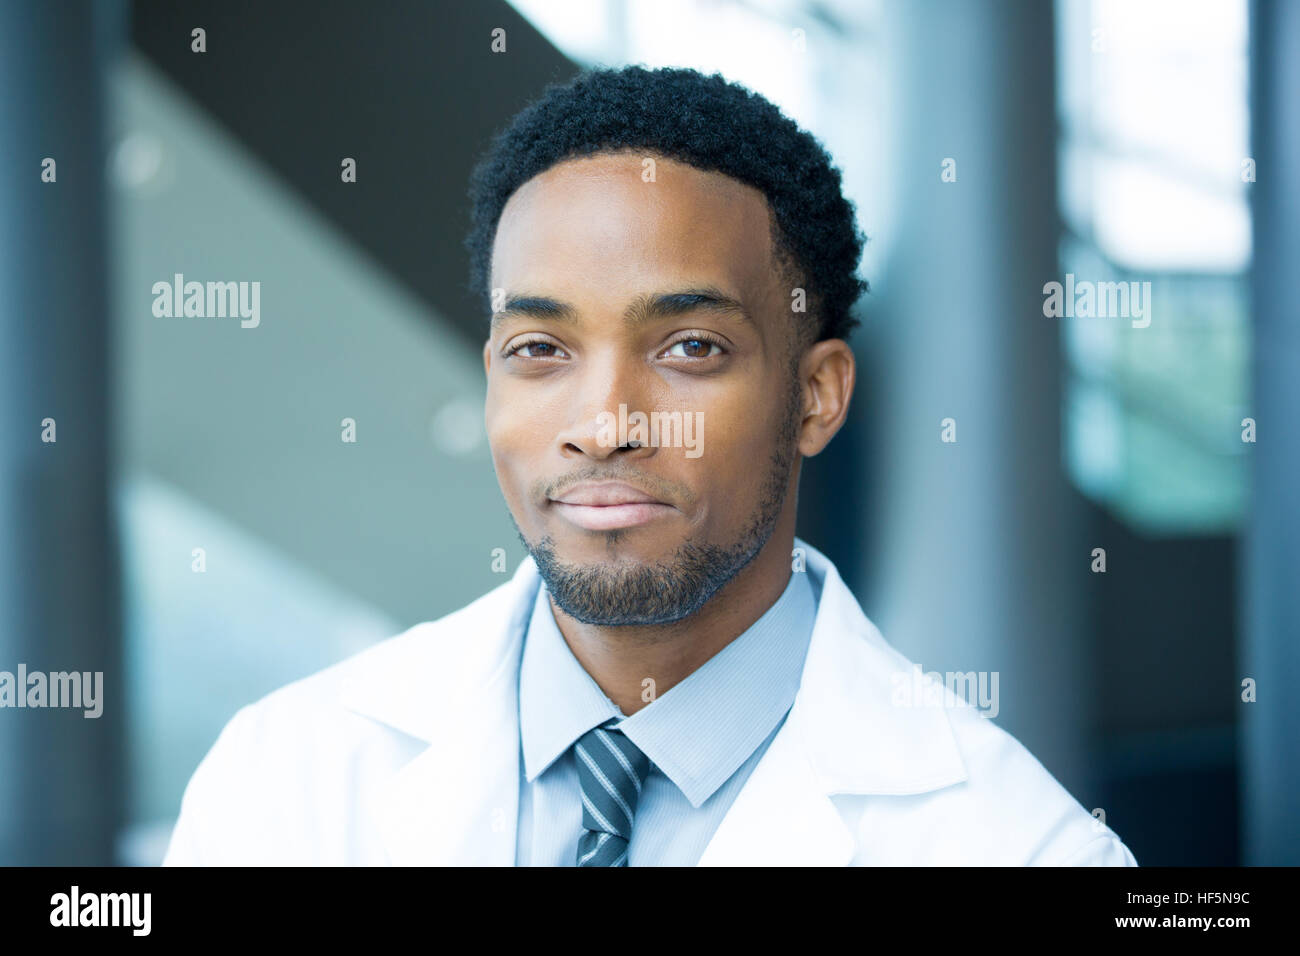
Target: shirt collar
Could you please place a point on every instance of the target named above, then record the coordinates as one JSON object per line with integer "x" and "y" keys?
{"x": 558, "y": 700}
{"x": 698, "y": 732}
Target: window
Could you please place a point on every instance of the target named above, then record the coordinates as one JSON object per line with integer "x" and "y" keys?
{"x": 1154, "y": 173}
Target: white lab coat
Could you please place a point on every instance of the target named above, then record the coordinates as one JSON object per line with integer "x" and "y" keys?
{"x": 408, "y": 753}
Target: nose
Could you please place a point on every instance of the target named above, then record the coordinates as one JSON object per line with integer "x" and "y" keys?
{"x": 606, "y": 391}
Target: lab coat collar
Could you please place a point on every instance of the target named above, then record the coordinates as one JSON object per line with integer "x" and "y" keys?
{"x": 453, "y": 684}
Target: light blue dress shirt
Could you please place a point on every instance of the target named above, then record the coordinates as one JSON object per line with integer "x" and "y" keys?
{"x": 703, "y": 736}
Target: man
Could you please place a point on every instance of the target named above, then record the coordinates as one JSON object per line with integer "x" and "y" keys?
{"x": 671, "y": 677}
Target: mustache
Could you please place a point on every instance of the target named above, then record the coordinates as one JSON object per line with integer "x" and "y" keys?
{"x": 659, "y": 487}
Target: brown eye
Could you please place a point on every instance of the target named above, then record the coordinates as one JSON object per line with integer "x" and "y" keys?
{"x": 694, "y": 348}
{"x": 534, "y": 350}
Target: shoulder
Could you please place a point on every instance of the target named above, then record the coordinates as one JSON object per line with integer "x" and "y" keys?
{"x": 317, "y": 705}
{"x": 293, "y": 776}
{"x": 397, "y": 682}
{"x": 283, "y": 764}
{"x": 1031, "y": 819}
{"x": 999, "y": 805}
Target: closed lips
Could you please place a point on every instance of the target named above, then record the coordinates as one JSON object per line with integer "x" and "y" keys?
{"x": 606, "y": 495}
{"x": 610, "y": 506}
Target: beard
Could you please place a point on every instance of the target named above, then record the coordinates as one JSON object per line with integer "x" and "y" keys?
{"x": 647, "y": 595}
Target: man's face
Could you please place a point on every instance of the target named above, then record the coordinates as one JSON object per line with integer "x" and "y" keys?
{"x": 662, "y": 297}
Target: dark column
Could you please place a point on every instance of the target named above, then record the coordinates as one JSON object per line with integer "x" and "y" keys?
{"x": 61, "y": 773}
{"x": 1270, "y": 613}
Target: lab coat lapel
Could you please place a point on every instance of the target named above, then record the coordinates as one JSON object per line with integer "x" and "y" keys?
{"x": 457, "y": 802}
{"x": 844, "y": 734}
{"x": 781, "y": 817}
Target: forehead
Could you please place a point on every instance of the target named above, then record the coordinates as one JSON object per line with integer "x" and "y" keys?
{"x": 605, "y": 218}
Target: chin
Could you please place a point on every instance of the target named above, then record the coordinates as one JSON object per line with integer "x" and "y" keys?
{"x": 630, "y": 546}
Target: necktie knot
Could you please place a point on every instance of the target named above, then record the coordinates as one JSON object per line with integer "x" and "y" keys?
{"x": 611, "y": 771}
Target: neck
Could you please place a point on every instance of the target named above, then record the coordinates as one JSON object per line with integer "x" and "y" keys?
{"x": 621, "y": 659}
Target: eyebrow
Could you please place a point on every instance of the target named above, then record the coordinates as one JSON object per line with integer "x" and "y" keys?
{"x": 644, "y": 308}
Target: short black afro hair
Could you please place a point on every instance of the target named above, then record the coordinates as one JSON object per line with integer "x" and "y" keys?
{"x": 703, "y": 121}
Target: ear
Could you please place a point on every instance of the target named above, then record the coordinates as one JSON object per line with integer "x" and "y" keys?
{"x": 827, "y": 372}
{"x": 487, "y": 357}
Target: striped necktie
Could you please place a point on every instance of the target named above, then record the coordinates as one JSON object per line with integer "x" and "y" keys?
{"x": 611, "y": 772}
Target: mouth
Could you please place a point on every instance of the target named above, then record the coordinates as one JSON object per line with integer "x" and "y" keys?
{"x": 607, "y": 506}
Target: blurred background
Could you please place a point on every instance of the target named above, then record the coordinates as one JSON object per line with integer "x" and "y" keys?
{"x": 201, "y": 533}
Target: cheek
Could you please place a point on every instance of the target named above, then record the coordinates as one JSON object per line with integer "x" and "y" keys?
{"x": 747, "y": 418}
{"x": 739, "y": 438}
{"x": 506, "y": 429}
{"x": 505, "y": 417}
